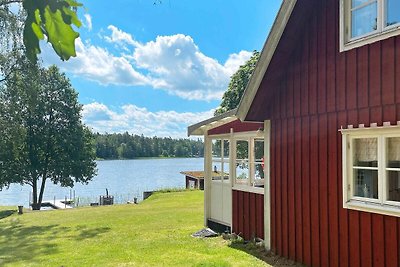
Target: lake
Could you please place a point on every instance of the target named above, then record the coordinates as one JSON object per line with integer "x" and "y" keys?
{"x": 124, "y": 179}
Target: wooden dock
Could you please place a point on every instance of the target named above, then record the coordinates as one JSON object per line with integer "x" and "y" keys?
{"x": 58, "y": 203}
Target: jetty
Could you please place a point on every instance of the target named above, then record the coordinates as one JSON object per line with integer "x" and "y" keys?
{"x": 58, "y": 203}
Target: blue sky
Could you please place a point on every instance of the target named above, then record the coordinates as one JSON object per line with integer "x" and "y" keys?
{"x": 154, "y": 69}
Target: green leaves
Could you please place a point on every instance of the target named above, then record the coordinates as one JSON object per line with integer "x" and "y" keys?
{"x": 237, "y": 85}
{"x": 53, "y": 19}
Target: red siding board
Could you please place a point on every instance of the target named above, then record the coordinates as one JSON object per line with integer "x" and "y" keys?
{"x": 323, "y": 188}
{"x": 246, "y": 215}
{"x": 340, "y": 82}
{"x": 298, "y": 190}
{"x": 391, "y": 249}
{"x": 378, "y": 240}
{"x": 305, "y": 176}
{"x": 375, "y": 74}
{"x": 388, "y": 68}
{"x": 313, "y": 67}
{"x": 321, "y": 58}
{"x": 314, "y": 194}
{"x": 278, "y": 198}
{"x": 362, "y": 77}
{"x": 354, "y": 238}
{"x": 252, "y": 217}
{"x": 331, "y": 61}
{"x": 366, "y": 239}
{"x": 333, "y": 191}
{"x": 351, "y": 80}
{"x": 285, "y": 217}
{"x": 397, "y": 70}
{"x": 291, "y": 191}
{"x": 305, "y": 76}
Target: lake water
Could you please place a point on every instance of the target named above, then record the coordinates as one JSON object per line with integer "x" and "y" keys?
{"x": 124, "y": 179}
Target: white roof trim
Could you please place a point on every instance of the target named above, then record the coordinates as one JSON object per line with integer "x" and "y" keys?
{"x": 267, "y": 53}
{"x": 202, "y": 127}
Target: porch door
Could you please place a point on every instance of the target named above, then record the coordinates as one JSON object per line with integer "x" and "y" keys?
{"x": 221, "y": 188}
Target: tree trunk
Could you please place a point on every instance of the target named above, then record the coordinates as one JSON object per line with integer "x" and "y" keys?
{"x": 35, "y": 205}
{"x": 42, "y": 190}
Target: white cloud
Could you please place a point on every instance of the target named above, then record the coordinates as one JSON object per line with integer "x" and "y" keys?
{"x": 120, "y": 37}
{"x": 173, "y": 63}
{"x": 98, "y": 64}
{"x": 88, "y": 23}
{"x": 137, "y": 120}
{"x": 178, "y": 66}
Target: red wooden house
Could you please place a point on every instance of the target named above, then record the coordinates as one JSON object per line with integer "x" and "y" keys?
{"x": 328, "y": 82}
{"x": 327, "y": 88}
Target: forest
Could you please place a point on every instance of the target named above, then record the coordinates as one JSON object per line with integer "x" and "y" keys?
{"x": 128, "y": 146}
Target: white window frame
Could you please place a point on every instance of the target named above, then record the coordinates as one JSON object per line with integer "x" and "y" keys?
{"x": 233, "y": 138}
{"x": 251, "y": 161}
{"x": 382, "y": 32}
{"x": 222, "y": 158}
{"x": 381, "y": 205}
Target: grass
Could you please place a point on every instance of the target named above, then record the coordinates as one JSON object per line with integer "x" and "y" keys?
{"x": 153, "y": 233}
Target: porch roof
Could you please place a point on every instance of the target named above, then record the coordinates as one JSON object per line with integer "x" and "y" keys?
{"x": 202, "y": 127}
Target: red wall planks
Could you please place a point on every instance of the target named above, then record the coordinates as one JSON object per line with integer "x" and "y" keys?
{"x": 249, "y": 209}
{"x": 322, "y": 89}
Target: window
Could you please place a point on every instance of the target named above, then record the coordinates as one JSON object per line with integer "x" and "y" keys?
{"x": 366, "y": 21}
{"x": 371, "y": 169}
{"x": 250, "y": 162}
{"x": 220, "y": 160}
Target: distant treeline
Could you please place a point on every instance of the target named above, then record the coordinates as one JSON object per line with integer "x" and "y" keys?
{"x": 127, "y": 146}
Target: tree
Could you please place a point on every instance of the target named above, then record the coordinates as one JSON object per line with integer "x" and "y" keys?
{"x": 237, "y": 85}
{"x": 52, "y": 20}
{"x": 44, "y": 137}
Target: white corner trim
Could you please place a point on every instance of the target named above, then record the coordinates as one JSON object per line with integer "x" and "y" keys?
{"x": 267, "y": 53}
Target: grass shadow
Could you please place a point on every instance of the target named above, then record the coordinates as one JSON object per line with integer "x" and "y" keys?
{"x": 6, "y": 213}
{"x": 21, "y": 243}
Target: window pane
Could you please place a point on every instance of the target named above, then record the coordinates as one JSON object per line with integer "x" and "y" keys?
{"x": 356, "y": 3}
{"x": 242, "y": 149}
{"x": 216, "y": 148}
{"x": 258, "y": 175}
{"x": 242, "y": 170}
{"x": 366, "y": 183}
{"x": 258, "y": 150}
{"x": 226, "y": 171}
{"x": 364, "y": 20}
{"x": 226, "y": 149}
{"x": 216, "y": 170}
{"x": 365, "y": 152}
{"x": 392, "y": 12}
{"x": 393, "y": 152}
{"x": 394, "y": 185}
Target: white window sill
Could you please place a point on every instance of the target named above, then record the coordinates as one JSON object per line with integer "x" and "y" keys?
{"x": 250, "y": 189}
{"x": 373, "y": 207}
{"x": 371, "y": 38}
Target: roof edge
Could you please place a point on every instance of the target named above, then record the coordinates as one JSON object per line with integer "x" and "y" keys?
{"x": 200, "y": 127}
{"x": 267, "y": 53}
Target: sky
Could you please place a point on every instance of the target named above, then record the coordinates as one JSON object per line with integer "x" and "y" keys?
{"x": 155, "y": 67}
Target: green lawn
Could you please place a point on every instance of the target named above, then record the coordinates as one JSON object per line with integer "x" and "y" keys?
{"x": 153, "y": 233}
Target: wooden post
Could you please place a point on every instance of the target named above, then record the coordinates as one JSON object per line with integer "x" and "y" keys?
{"x": 207, "y": 177}
{"x": 267, "y": 190}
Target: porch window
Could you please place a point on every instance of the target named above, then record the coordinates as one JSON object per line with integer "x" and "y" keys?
{"x": 220, "y": 160}
{"x": 250, "y": 162}
{"x": 242, "y": 162}
{"x": 366, "y": 21}
{"x": 371, "y": 170}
